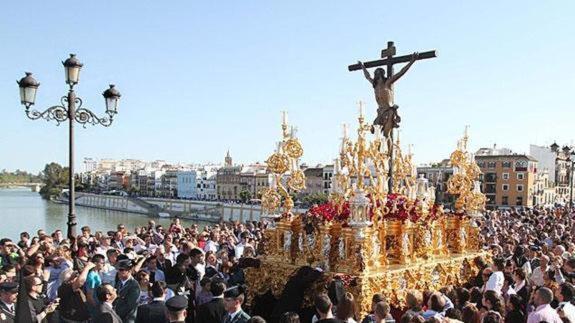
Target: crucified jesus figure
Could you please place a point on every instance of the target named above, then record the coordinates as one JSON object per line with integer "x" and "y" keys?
{"x": 387, "y": 116}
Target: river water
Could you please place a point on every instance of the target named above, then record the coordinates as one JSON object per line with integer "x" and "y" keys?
{"x": 23, "y": 210}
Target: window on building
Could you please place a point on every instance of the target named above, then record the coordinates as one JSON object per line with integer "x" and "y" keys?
{"x": 505, "y": 200}
{"x": 490, "y": 188}
{"x": 490, "y": 199}
{"x": 519, "y": 187}
{"x": 490, "y": 177}
{"x": 519, "y": 201}
{"x": 506, "y": 164}
{"x": 506, "y": 187}
{"x": 520, "y": 176}
{"x": 481, "y": 164}
{"x": 505, "y": 176}
{"x": 491, "y": 164}
{"x": 521, "y": 166}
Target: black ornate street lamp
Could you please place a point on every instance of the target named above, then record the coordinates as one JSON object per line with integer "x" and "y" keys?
{"x": 71, "y": 110}
{"x": 572, "y": 166}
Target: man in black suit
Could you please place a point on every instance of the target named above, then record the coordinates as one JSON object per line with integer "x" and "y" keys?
{"x": 233, "y": 299}
{"x": 8, "y": 297}
{"x": 156, "y": 311}
{"x": 214, "y": 310}
{"x": 106, "y": 295}
{"x": 128, "y": 292}
{"x": 177, "y": 309}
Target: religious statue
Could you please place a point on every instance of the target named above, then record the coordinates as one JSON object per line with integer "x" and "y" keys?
{"x": 387, "y": 116}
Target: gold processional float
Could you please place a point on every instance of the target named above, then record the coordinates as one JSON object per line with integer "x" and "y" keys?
{"x": 376, "y": 239}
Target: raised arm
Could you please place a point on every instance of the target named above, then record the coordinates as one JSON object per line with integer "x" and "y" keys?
{"x": 404, "y": 69}
{"x": 365, "y": 72}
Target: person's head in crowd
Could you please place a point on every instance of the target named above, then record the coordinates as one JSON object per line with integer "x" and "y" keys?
{"x": 453, "y": 313}
{"x": 122, "y": 229}
{"x": 381, "y": 312}
{"x": 498, "y": 264}
{"x": 217, "y": 287}
{"x": 86, "y": 232}
{"x": 41, "y": 233}
{"x": 196, "y": 256}
{"x": 413, "y": 300}
{"x": 177, "y": 306}
{"x": 9, "y": 271}
{"x": 492, "y": 317}
{"x": 519, "y": 276}
{"x": 205, "y": 284}
{"x": 543, "y": 296}
{"x": 183, "y": 260}
{"x": 376, "y": 298}
{"x": 346, "y": 307}
{"x": 124, "y": 268}
{"x": 323, "y": 306}
{"x": 257, "y": 319}
{"x": 233, "y": 299}
{"x": 37, "y": 259}
{"x": 100, "y": 262}
{"x": 112, "y": 255}
{"x": 143, "y": 278}
{"x": 470, "y": 313}
{"x": 58, "y": 236}
{"x": 569, "y": 265}
{"x": 8, "y": 292}
{"x": 33, "y": 285}
{"x": 565, "y": 293}
{"x": 544, "y": 261}
{"x": 211, "y": 259}
{"x": 158, "y": 290}
{"x": 436, "y": 302}
{"x": 463, "y": 296}
{"x": 407, "y": 317}
{"x": 289, "y": 317}
{"x": 514, "y": 303}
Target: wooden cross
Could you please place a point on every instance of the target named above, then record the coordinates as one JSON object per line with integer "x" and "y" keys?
{"x": 388, "y": 59}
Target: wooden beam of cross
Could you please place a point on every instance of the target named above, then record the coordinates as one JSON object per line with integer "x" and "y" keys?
{"x": 388, "y": 59}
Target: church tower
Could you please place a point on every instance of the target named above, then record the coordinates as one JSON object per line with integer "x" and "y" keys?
{"x": 228, "y": 160}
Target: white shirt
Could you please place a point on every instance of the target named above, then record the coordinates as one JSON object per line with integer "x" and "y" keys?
{"x": 568, "y": 311}
{"x": 537, "y": 276}
{"x": 211, "y": 246}
{"x": 239, "y": 250}
{"x": 495, "y": 282}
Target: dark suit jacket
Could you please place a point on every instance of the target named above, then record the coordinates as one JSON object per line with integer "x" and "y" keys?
{"x": 241, "y": 317}
{"x": 9, "y": 316}
{"x": 107, "y": 315}
{"x": 127, "y": 302}
{"x": 155, "y": 312}
{"x": 212, "y": 311}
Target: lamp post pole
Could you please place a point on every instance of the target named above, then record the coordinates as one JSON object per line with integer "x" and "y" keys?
{"x": 71, "y": 181}
{"x": 572, "y": 161}
{"x": 71, "y": 110}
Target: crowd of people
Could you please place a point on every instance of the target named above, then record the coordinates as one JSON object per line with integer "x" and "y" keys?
{"x": 193, "y": 274}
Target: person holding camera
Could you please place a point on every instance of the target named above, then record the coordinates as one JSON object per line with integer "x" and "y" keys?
{"x": 40, "y": 307}
{"x": 73, "y": 308}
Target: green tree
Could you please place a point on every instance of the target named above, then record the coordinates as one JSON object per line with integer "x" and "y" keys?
{"x": 245, "y": 196}
{"x": 55, "y": 178}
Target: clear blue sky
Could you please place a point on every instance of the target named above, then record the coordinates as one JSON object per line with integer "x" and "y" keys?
{"x": 200, "y": 77}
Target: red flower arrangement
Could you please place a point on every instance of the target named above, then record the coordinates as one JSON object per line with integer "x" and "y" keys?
{"x": 399, "y": 208}
{"x": 329, "y": 212}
